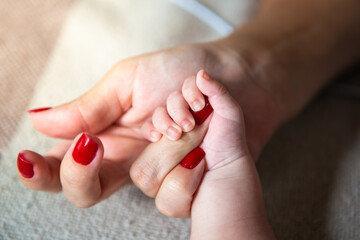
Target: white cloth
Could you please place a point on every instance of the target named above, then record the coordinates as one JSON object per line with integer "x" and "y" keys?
{"x": 95, "y": 35}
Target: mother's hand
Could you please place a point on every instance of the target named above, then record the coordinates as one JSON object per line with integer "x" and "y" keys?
{"x": 113, "y": 112}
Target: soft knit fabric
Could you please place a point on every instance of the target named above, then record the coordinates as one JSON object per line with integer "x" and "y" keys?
{"x": 53, "y": 51}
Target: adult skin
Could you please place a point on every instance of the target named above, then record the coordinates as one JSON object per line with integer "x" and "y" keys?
{"x": 273, "y": 65}
{"x": 216, "y": 184}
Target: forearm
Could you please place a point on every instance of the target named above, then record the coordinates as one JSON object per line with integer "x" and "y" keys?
{"x": 293, "y": 48}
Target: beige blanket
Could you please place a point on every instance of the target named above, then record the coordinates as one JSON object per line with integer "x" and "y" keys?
{"x": 52, "y": 51}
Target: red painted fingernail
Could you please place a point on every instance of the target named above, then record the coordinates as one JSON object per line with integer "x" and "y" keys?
{"x": 25, "y": 167}
{"x": 39, "y": 110}
{"x": 85, "y": 150}
{"x": 203, "y": 114}
{"x": 193, "y": 158}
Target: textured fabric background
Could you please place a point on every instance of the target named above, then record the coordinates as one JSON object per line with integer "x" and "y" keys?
{"x": 52, "y": 51}
{"x": 28, "y": 33}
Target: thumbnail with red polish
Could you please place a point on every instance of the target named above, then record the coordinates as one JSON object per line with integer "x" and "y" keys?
{"x": 25, "y": 167}
{"x": 85, "y": 150}
{"x": 193, "y": 158}
{"x": 203, "y": 114}
{"x": 39, "y": 110}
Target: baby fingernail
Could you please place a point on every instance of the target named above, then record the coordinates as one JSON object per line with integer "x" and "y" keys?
{"x": 196, "y": 105}
{"x": 155, "y": 136}
{"x": 202, "y": 115}
{"x": 206, "y": 75}
{"x": 172, "y": 132}
{"x": 186, "y": 125}
{"x": 193, "y": 158}
{"x": 25, "y": 167}
{"x": 85, "y": 150}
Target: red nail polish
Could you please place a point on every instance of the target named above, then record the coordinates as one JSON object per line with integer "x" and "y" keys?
{"x": 85, "y": 150}
{"x": 39, "y": 110}
{"x": 25, "y": 167}
{"x": 203, "y": 114}
{"x": 193, "y": 158}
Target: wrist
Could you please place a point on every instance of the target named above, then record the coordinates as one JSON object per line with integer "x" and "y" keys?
{"x": 232, "y": 196}
{"x": 294, "y": 59}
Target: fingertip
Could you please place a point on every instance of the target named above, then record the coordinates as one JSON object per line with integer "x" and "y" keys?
{"x": 201, "y": 77}
{"x": 179, "y": 112}
{"x": 188, "y": 124}
{"x": 80, "y": 169}
{"x": 222, "y": 102}
{"x": 32, "y": 166}
{"x": 165, "y": 124}
{"x": 25, "y": 165}
{"x": 192, "y": 94}
{"x": 197, "y": 104}
{"x": 91, "y": 112}
{"x": 203, "y": 74}
{"x": 201, "y": 116}
{"x": 155, "y": 136}
{"x": 37, "y": 172}
{"x": 38, "y": 110}
{"x": 86, "y": 149}
{"x": 150, "y": 133}
{"x": 83, "y": 158}
{"x": 66, "y": 119}
{"x": 193, "y": 158}
{"x": 207, "y": 85}
{"x": 173, "y": 132}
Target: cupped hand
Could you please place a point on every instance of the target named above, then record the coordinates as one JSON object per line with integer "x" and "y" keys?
{"x": 113, "y": 112}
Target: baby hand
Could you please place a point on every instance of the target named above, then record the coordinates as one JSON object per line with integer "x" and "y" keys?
{"x": 216, "y": 183}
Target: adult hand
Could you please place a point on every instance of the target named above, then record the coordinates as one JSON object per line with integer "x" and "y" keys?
{"x": 272, "y": 76}
{"x": 113, "y": 112}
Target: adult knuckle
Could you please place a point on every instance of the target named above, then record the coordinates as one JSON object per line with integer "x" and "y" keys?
{"x": 144, "y": 178}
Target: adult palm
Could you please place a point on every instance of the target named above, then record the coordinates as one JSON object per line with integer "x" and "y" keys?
{"x": 116, "y": 108}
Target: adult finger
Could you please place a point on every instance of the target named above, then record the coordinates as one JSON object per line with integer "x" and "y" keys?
{"x": 40, "y": 172}
{"x": 79, "y": 172}
{"x": 176, "y": 193}
{"x": 160, "y": 158}
{"x": 86, "y": 177}
{"x": 93, "y": 111}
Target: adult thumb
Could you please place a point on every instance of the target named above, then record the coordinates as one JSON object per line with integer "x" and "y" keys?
{"x": 91, "y": 112}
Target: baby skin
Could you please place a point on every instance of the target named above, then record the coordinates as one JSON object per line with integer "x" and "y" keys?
{"x": 199, "y": 165}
